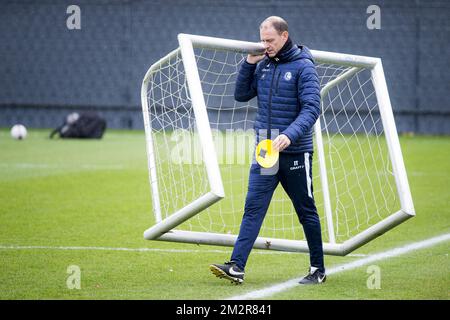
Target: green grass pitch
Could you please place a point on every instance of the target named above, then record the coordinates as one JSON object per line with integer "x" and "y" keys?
{"x": 62, "y": 201}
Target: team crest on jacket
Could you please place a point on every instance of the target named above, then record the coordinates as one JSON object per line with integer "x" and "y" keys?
{"x": 288, "y": 76}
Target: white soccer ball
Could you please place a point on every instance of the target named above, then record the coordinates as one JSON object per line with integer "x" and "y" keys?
{"x": 19, "y": 132}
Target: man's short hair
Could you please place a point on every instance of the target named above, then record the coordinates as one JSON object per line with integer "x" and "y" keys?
{"x": 278, "y": 23}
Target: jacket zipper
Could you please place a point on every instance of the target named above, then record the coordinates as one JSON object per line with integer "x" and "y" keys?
{"x": 278, "y": 83}
{"x": 269, "y": 113}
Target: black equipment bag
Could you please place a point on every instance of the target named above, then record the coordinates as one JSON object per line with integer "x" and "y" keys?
{"x": 85, "y": 125}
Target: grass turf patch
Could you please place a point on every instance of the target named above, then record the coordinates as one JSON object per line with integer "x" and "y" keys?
{"x": 96, "y": 193}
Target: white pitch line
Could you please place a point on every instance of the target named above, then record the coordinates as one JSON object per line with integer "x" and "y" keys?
{"x": 269, "y": 291}
{"x": 61, "y": 166}
{"x": 15, "y": 247}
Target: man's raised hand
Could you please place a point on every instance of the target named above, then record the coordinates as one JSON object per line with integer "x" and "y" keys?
{"x": 253, "y": 59}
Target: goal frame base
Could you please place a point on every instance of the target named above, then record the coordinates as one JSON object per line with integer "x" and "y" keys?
{"x": 267, "y": 243}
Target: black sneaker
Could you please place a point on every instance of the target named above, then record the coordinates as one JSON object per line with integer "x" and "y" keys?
{"x": 229, "y": 271}
{"x": 313, "y": 277}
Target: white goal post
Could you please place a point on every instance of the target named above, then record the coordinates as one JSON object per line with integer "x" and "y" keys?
{"x": 190, "y": 118}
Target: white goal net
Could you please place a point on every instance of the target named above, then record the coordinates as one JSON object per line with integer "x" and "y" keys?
{"x": 354, "y": 185}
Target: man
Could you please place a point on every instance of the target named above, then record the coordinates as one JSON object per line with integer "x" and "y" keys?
{"x": 287, "y": 85}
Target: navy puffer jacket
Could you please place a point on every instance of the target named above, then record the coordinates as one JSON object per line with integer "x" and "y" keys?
{"x": 288, "y": 93}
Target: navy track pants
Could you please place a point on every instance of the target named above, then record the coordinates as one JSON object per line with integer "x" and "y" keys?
{"x": 295, "y": 175}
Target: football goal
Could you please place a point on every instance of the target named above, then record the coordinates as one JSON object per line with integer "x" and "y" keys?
{"x": 200, "y": 144}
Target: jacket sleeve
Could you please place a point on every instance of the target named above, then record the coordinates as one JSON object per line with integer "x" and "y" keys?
{"x": 309, "y": 98}
{"x": 245, "y": 83}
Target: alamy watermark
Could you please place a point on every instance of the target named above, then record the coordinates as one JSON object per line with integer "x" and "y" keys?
{"x": 73, "y": 21}
{"x": 232, "y": 146}
{"x": 374, "y": 20}
{"x": 374, "y": 279}
{"x": 74, "y": 279}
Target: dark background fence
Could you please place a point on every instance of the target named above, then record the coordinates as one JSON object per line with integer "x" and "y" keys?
{"x": 48, "y": 70}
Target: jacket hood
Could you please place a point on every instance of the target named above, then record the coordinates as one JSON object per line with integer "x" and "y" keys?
{"x": 305, "y": 53}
